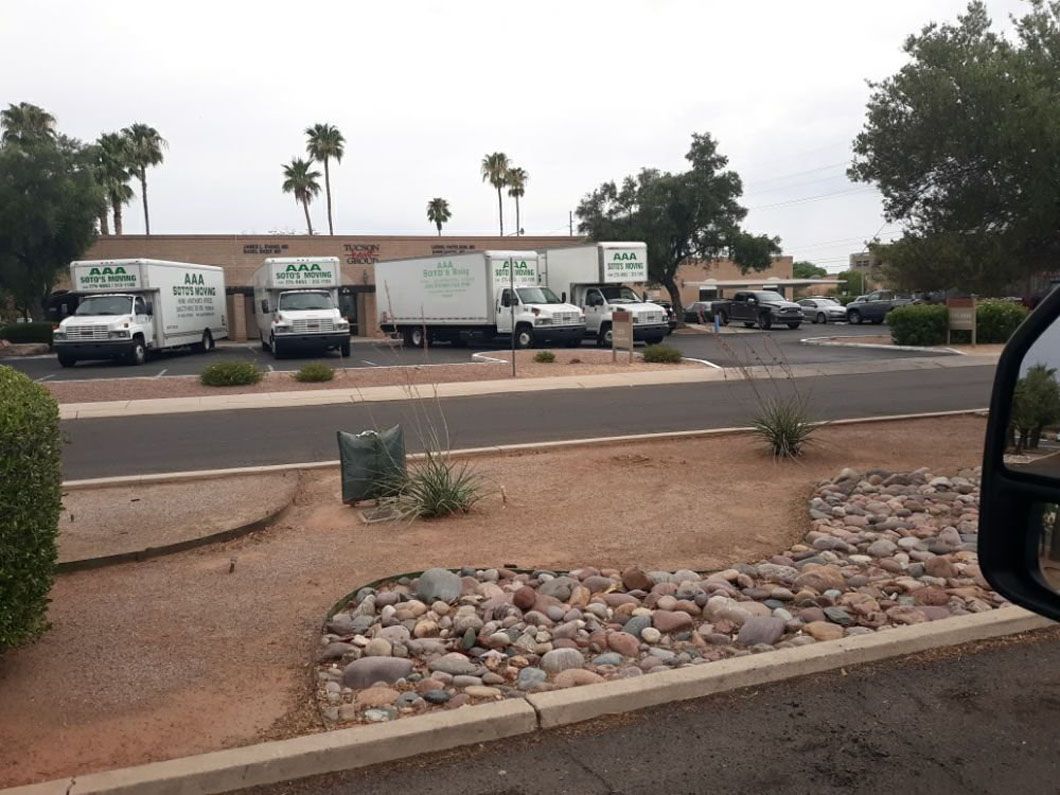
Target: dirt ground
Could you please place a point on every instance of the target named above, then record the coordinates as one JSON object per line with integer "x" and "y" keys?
{"x": 176, "y": 656}
{"x": 568, "y": 362}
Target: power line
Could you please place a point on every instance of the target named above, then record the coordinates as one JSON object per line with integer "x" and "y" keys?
{"x": 796, "y": 173}
{"x": 819, "y": 197}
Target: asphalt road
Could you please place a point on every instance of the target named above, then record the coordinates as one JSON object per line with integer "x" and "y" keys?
{"x": 975, "y": 719}
{"x": 726, "y": 350}
{"x": 222, "y": 439}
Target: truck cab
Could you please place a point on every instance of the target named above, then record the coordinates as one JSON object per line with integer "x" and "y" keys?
{"x": 599, "y": 301}
{"x": 106, "y": 326}
{"x": 539, "y": 315}
{"x": 297, "y": 306}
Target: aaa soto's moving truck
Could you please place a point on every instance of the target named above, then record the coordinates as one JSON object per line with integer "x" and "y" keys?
{"x": 595, "y": 277}
{"x": 131, "y": 306}
{"x": 451, "y": 298}
{"x": 296, "y": 303}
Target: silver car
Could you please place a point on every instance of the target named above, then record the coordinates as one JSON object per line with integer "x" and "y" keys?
{"x": 823, "y": 310}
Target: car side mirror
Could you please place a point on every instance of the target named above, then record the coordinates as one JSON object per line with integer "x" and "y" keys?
{"x": 1019, "y": 512}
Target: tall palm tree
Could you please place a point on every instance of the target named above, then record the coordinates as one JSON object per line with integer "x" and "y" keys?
{"x": 25, "y": 122}
{"x": 326, "y": 142}
{"x": 517, "y": 179}
{"x": 145, "y": 147}
{"x": 302, "y": 182}
{"x": 438, "y": 213}
{"x": 495, "y": 171}
{"x": 114, "y": 174}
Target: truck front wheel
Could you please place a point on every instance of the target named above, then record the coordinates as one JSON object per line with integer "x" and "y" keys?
{"x": 138, "y": 353}
{"x": 748, "y": 324}
{"x": 207, "y": 343}
{"x": 274, "y": 346}
{"x": 524, "y": 337}
{"x": 66, "y": 360}
{"x": 344, "y": 349}
{"x": 603, "y": 339}
{"x": 765, "y": 322}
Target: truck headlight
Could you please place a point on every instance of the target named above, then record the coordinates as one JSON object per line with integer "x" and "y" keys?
{"x": 542, "y": 321}
{"x": 58, "y": 335}
{"x": 118, "y": 335}
{"x": 342, "y": 325}
{"x": 282, "y": 329}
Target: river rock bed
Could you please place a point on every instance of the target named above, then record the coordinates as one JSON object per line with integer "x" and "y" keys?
{"x": 885, "y": 549}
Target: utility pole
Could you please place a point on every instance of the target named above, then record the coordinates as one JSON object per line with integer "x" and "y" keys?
{"x": 570, "y": 222}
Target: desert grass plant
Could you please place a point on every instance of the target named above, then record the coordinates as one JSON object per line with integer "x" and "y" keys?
{"x": 544, "y": 357}
{"x": 783, "y": 423}
{"x": 437, "y": 486}
{"x": 230, "y": 374}
{"x": 314, "y": 373}
{"x": 662, "y": 354}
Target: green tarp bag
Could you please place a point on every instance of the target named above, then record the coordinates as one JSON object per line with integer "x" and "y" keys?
{"x": 373, "y": 463}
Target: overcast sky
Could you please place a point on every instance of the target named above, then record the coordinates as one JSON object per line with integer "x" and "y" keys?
{"x": 575, "y": 92}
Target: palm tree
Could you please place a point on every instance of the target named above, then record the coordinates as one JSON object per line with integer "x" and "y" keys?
{"x": 495, "y": 170}
{"x": 325, "y": 142}
{"x": 114, "y": 174}
{"x": 145, "y": 147}
{"x": 25, "y": 122}
{"x": 299, "y": 180}
{"x": 517, "y": 179}
{"x": 438, "y": 213}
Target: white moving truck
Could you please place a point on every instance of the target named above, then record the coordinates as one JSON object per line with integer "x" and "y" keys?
{"x": 595, "y": 277}
{"x": 129, "y": 307}
{"x": 296, "y": 303}
{"x": 457, "y": 297}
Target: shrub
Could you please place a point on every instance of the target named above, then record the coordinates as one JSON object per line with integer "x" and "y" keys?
{"x": 315, "y": 373}
{"x": 996, "y": 320}
{"x": 30, "y": 483}
{"x": 544, "y": 357}
{"x": 662, "y": 354}
{"x": 437, "y": 487}
{"x": 27, "y": 332}
{"x": 230, "y": 374}
{"x": 918, "y": 324}
{"x": 783, "y": 422}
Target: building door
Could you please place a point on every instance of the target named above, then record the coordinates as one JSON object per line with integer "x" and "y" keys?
{"x": 348, "y": 308}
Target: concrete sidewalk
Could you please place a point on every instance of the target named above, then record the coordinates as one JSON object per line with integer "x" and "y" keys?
{"x": 317, "y": 397}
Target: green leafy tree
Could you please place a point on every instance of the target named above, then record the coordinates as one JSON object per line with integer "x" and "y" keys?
{"x": 853, "y": 282}
{"x": 807, "y": 270}
{"x": 49, "y": 205}
{"x": 1035, "y": 405}
{"x": 26, "y": 123}
{"x": 964, "y": 144}
{"x": 694, "y": 213}
{"x": 494, "y": 169}
{"x": 438, "y": 213}
{"x": 113, "y": 175}
{"x": 517, "y": 179}
{"x": 144, "y": 149}
{"x": 299, "y": 179}
{"x": 325, "y": 144}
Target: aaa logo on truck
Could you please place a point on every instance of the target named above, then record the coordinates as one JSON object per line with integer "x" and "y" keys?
{"x": 107, "y": 277}
{"x": 445, "y": 279}
{"x": 625, "y": 265}
{"x": 305, "y": 273}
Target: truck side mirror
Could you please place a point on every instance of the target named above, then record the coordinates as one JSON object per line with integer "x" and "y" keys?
{"x": 149, "y": 308}
{"x": 1019, "y": 513}
{"x": 563, "y": 297}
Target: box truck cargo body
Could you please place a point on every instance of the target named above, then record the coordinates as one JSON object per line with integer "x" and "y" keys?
{"x": 130, "y": 307}
{"x": 296, "y": 301}
{"x": 596, "y": 278}
{"x": 484, "y": 295}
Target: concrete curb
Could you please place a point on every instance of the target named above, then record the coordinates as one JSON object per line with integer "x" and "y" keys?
{"x": 472, "y": 452}
{"x": 346, "y": 749}
{"x": 875, "y": 345}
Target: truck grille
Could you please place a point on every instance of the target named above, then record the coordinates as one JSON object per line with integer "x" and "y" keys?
{"x": 312, "y": 326}
{"x": 650, "y": 317}
{"x": 565, "y": 318}
{"x": 789, "y": 310}
{"x": 86, "y": 332}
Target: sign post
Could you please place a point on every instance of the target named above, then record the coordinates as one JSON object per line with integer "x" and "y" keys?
{"x": 511, "y": 305}
{"x": 961, "y": 316}
{"x": 621, "y": 333}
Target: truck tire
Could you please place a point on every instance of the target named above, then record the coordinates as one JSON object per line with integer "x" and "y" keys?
{"x": 344, "y": 349}
{"x": 417, "y": 337}
{"x": 524, "y": 336}
{"x": 723, "y": 318}
{"x": 765, "y": 321}
{"x": 274, "y": 346}
{"x": 794, "y": 325}
{"x": 854, "y": 316}
{"x": 876, "y": 321}
{"x": 655, "y": 340}
{"x": 575, "y": 343}
{"x": 138, "y": 353}
{"x": 207, "y": 343}
{"x": 265, "y": 345}
{"x": 603, "y": 337}
{"x": 748, "y": 324}
{"x": 66, "y": 360}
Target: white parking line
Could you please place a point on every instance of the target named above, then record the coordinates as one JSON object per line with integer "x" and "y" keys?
{"x": 45, "y": 377}
{"x": 370, "y": 364}
{"x": 162, "y": 373}
{"x": 271, "y": 368}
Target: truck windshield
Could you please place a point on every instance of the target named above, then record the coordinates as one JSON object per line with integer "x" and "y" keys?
{"x": 620, "y": 295}
{"x": 296, "y": 301}
{"x": 769, "y": 295}
{"x": 105, "y": 305}
{"x": 537, "y": 295}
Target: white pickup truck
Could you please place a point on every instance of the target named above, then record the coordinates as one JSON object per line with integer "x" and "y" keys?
{"x": 129, "y": 307}
{"x": 596, "y": 277}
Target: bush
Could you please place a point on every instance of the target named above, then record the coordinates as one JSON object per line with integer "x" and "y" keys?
{"x": 30, "y": 483}
{"x": 918, "y": 324}
{"x": 27, "y": 332}
{"x": 544, "y": 357}
{"x": 662, "y": 354}
{"x": 784, "y": 424}
{"x": 437, "y": 487}
{"x": 315, "y": 373}
{"x": 230, "y": 374}
{"x": 996, "y": 320}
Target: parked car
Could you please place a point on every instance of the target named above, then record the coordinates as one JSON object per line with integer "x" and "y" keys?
{"x": 823, "y": 310}
{"x": 671, "y": 316}
{"x": 760, "y": 308}
{"x": 699, "y": 312}
{"x": 873, "y": 308}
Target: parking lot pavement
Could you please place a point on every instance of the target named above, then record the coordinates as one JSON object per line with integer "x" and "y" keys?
{"x": 725, "y": 350}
